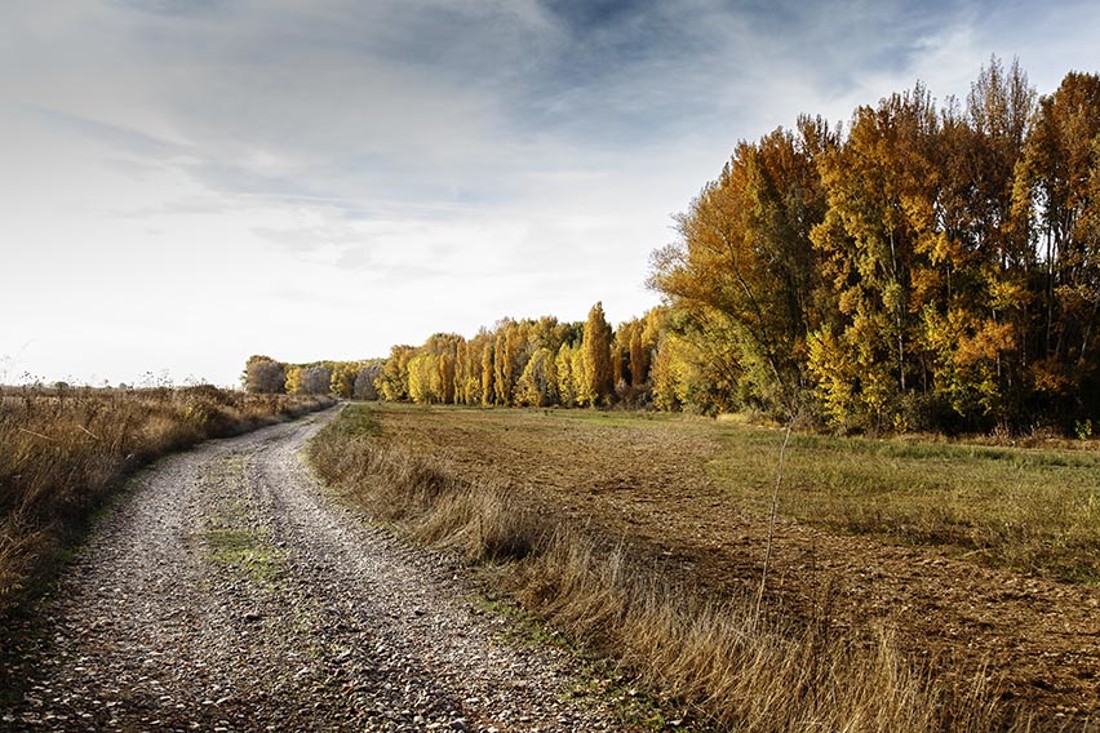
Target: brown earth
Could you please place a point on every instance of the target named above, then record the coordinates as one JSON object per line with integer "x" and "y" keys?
{"x": 646, "y": 483}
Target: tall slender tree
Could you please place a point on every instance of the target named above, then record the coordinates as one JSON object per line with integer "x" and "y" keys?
{"x": 597, "y": 356}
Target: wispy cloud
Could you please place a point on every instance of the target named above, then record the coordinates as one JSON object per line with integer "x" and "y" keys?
{"x": 457, "y": 104}
{"x": 497, "y": 156}
{"x": 113, "y": 136}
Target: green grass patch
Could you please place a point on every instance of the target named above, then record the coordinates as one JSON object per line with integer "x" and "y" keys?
{"x": 356, "y": 419}
{"x": 247, "y": 551}
{"x": 1024, "y": 509}
{"x": 618, "y": 418}
{"x": 231, "y": 536}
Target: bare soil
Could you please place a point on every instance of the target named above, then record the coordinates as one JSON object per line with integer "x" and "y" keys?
{"x": 645, "y": 482}
{"x": 227, "y": 591}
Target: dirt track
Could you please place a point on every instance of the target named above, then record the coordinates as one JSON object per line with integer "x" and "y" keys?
{"x": 227, "y": 592}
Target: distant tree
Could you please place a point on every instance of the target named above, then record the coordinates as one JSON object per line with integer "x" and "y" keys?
{"x": 468, "y": 374}
{"x": 425, "y": 385}
{"x": 264, "y": 375}
{"x": 364, "y": 388}
{"x": 342, "y": 381}
{"x": 293, "y": 383}
{"x": 580, "y": 377}
{"x": 597, "y": 357}
{"x": 631, "y": 361}
{"x": 566, "y": 388}
{"x": 447, "y": 350}
{"x": 488, "y": 358}
{"x": 393, "y": 382}
{"x": 470, "y": 369}
{"x": 548, "y": 333}
{"x": 317, "y": 379}
{"x": 538, "y": 384}
{"x": 446, "y": 369}
{"x": 504, "y": 361}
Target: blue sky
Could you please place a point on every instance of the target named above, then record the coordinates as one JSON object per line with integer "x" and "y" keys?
{"x": 188, "y": 182}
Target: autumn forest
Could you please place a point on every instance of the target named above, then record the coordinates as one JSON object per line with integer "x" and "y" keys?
{"x": 927, "y": 266}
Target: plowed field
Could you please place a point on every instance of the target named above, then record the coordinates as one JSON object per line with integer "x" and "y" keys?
{"x": 663, "y": 485}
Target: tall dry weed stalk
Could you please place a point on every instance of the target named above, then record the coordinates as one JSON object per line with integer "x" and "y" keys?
{"x": 773, "y": 517}
{"x": 738, "y": 664}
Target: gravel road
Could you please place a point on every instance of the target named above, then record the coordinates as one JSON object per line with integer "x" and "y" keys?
{"x": 228, "y": 592}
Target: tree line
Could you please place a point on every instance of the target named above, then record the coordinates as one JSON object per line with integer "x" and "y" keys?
{"x": 347, "y": 379}
{"x": 931, "y": 266}
{"x": 927, "y": 266}
{"x": 534, "y": 362}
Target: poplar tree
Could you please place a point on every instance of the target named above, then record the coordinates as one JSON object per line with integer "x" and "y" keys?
{"x": 744, "y": 269}
{"x": 566, "y": 382}
{"x": 393, "y": 382}
{"x": 537, "y": 386}
{"x": 502, "y": 367}
{"x": 488, "y": 390}
{"x": 342, "y": 382}
{"x": 597, "y": 356}
{"x": 976, "y": 303}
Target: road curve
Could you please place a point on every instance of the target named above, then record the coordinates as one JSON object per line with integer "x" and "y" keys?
{"x": 227, "y": 591}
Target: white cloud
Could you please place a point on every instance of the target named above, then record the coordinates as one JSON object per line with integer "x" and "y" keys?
{"x": 192, "y": 182}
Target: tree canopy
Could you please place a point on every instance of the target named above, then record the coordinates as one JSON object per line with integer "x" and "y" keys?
{"x": 932, "y": 266}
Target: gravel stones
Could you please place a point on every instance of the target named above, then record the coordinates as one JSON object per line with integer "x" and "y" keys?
{"x": 227, "y": 591}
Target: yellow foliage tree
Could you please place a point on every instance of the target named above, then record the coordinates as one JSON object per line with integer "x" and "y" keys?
{"x": 537, "y": 385}
{"x": 342, "y": 382}
{"x": 294, "y": 379}
{"x": 598, "y": 371}
{"x": 393, "y": 382}
{"x": 425, "y": 385}
{"x": 566, "y": 382}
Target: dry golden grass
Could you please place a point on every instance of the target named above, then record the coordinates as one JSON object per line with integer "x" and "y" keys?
{"x": 62, "y": 452}
{"x": 737, "y": 668}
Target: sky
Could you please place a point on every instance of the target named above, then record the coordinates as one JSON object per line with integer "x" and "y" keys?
{"x": 184, "y": 183}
